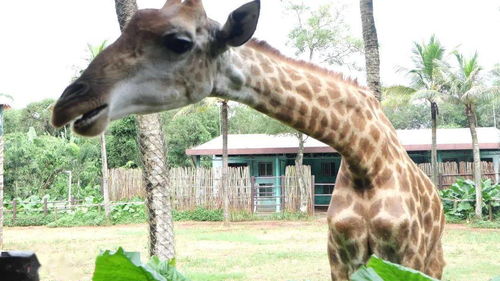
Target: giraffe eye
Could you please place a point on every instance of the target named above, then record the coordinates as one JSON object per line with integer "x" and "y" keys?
{"x": 177, "y": 43}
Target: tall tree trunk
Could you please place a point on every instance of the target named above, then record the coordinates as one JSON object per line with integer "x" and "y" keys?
{"x": 372, "y": 58}
{"x": 225, "y": 182}
{"x": 105, "y": 176}
{"x": 299, "y": 161}
{"x": 1, "y": 176}
{"x": 155, "y": 176}
{"x": 434, "y": 161}
{"x": 471, "y": 118}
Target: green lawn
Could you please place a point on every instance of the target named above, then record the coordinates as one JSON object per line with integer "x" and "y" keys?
{"x": 245, "y": 251}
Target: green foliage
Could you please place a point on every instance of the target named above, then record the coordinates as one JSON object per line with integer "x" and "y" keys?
{"x": 121, "y": 144}
{"x": 324, "y": 31}
{"x": 28, "y": 219}
{"x": 198, "y": 214}
{"x": 124, "y": 266}
{"x": 495, "y": 224}
{"x": 81, "y": 217}
{"x": 427, "y": 73}
{"x": 129, "y": 213}
{"x": 245, "y": 120}
{"x": 190, "y": 129}
{"x": 465, "y": 190}
{"x": 378, "y": 269}
{"x": 37, "y": 165}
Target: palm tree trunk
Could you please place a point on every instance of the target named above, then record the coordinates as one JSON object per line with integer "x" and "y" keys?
{"x": 434, "y": 162}
{"x": 299, "y": 160}
{"x": 225, "y": 182}
{"x": 105, "y": 176}
{"x": 370, "y": 39}
{"x": 471, "y": 118}
{"x": 1, "y": 176}
{"x": 155, "y": 178}
{"x": 155, "y": 174}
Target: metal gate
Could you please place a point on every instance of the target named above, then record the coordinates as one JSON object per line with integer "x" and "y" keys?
{"x": 267, "y": 194}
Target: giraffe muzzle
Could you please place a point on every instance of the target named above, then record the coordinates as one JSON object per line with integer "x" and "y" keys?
{"x": 77, "y": 104}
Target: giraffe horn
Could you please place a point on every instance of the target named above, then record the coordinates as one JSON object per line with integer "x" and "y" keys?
{"x": 193, "y": 3}
{"x": 171, "y": 2}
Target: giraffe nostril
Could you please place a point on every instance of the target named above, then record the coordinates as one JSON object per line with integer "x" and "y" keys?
{"x": 76, "y": 89}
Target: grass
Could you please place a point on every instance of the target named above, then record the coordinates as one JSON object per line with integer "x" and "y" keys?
{"x": 265, "y": 250}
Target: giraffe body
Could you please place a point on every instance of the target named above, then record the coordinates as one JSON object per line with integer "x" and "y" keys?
{"x": 382, "y": 203}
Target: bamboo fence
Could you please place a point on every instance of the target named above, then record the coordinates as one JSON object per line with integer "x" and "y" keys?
{"x": 449, "y": 172}
{"x": 291, "y": 190}
{"x": 189, "y": 187}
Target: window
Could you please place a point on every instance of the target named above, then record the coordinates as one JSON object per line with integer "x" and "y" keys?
{"x": 237, "y": 165}
{"x": 266, "y": 190}
{"x": 265, "y": 169}
{"x": 328, "y": 169}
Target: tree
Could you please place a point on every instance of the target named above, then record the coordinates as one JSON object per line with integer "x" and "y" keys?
{"x": 370, "y": 39}
{"x": 151, "y": 143}
{"x": 426, "y": 84}
{"x": 190, "y": 126}
{"x": 94, "y": 51}
{"x": 225, "y": 182}
{"x": 4, "y": 104}
{"x": 465, "y": 87}
{"x": 323, "y": 33}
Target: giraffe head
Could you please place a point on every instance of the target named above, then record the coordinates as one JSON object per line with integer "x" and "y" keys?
{"x": 165, "y": 58}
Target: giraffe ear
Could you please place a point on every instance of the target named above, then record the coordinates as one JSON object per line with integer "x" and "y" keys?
{"x": 240, "y": 25}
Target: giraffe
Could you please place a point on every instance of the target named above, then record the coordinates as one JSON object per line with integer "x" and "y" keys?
{"x": 167, "y": 58}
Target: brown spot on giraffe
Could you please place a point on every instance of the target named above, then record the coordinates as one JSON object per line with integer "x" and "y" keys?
{"x": 267, "y": 67}
{"x": 303, "y": 109}
{"x": 304, "y": 91}
{"x": 255, "y": 70}
{"x": 294, "y": 75}
{"x": 323, "y": 101}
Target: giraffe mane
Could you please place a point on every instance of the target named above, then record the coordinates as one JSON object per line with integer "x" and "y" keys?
{"x": 262, "y": 45}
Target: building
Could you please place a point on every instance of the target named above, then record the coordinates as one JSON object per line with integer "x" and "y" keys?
{"x": 268, "y": 155}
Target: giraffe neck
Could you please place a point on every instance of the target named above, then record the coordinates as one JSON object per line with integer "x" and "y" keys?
{"x": 314, "y": 101}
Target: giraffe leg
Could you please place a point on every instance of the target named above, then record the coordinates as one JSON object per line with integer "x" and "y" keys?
{"x": 339, "y": 270}
{"x": 346, "y": 253}
{"x": 435, "y": 263}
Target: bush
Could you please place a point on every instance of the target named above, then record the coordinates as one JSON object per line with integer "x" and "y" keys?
{"x": 199, "y": 214}
{"x": 466, "y": 190}
{"x": 28, "y": 219}
{"x": 80, "y": 218}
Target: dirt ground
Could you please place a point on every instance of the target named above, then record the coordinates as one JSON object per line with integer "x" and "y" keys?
{"x": 271, "y": 250}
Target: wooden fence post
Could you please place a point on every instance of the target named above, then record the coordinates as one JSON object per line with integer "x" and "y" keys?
{"x": 252, "y": 194}
{"x": 45, "y": 210}
{"x": 313, "y": 197}
{"x": 14, "y": 211}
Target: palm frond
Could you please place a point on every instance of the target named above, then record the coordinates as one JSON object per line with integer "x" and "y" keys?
{"x": 481, "y": 94}
{"x": 429, "y": 95}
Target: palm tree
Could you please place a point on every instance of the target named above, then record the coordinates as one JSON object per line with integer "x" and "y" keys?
{"x": 225, "y": 182}
{"x": 465, "y": 87}
{"x": 370, "y": 39}
{"x": 152, "y": 145}
{"x": 94, "y": 51}
{"x": 5, "y": 101}
{"x": 426, "y": 84}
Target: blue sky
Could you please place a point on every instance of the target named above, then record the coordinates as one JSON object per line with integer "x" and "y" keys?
{"x": 44, "y": 42}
